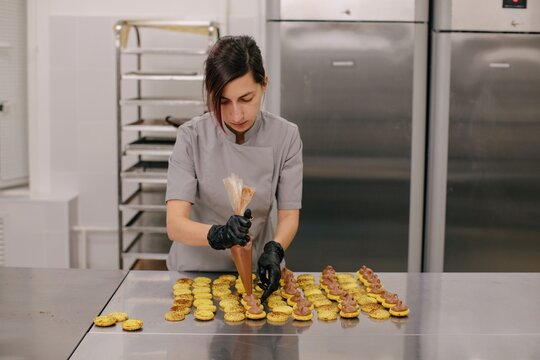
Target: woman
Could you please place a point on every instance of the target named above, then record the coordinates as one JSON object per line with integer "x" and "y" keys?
{"x": 234, "y": 137}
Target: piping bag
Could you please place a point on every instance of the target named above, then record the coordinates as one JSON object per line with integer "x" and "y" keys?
{"x": 239, "y": 197}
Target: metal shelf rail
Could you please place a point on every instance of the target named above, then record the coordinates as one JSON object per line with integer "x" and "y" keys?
{"x": 142, "y": 163}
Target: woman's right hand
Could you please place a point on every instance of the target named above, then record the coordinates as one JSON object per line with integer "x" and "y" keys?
{"x": 234, "y": 232}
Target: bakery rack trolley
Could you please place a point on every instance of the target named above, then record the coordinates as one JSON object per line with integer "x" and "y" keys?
{"x": 147, "y": 123}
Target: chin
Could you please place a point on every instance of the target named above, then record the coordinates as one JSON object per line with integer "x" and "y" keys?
{"x": 242, "y": 128}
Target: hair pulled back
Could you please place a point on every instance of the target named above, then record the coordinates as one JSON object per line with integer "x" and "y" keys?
{"x": 231, "y": 57}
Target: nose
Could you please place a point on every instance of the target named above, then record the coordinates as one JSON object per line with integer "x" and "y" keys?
{"x": 236, "y": 115}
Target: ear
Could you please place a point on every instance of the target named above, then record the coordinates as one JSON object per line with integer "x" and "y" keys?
{"x": 265, "y": 83}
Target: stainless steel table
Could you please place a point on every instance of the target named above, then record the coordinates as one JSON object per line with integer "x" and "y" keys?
{"x": 453, "y": 316}
{"x": 44, "y": 313}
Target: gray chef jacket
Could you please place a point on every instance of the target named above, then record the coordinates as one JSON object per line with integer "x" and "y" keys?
{"x": 270, "y": 160}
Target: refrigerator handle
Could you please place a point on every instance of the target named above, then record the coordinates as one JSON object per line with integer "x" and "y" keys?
{"x": 342, "y": 63}
{"x": 437, "y": 155}
{"x": 418, "y": 141}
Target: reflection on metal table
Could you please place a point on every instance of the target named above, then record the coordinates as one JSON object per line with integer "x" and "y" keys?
{"x": 453, "y": 316}
{"x": 44, "y": 313}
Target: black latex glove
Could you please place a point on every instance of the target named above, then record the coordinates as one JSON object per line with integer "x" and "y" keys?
{"x": 268, "y": 268}
{"x": 234, "y": 232}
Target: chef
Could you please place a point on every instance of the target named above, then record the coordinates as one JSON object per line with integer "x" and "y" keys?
{"x": 234, "y": 137}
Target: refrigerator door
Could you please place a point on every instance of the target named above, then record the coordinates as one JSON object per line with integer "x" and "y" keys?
{"x": 349, "y": 87}
{"x": 486, "y": 15}
{"x": 493, "y": 191}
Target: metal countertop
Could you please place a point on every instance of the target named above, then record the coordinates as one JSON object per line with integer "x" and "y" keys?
{"x": 453, "y": 316}
{"x": 44, "y": 313}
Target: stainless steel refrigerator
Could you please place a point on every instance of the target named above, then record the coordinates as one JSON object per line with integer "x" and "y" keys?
{"x": 483, "y": 199}
{"x": 352, "y": 75}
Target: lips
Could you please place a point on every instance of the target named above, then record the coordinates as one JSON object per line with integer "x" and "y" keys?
{"x": 240, "y": 126}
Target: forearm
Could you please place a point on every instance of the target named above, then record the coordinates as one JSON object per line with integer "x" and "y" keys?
{"x": 188, "y": 232}
{"x": 181, "y": 228}
{"x": 287, "y": 227}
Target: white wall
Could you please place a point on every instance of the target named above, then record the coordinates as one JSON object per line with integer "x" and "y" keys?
{"x": 72, "y": 97}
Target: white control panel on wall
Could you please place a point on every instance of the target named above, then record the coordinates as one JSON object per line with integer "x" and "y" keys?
{"x": 13, "y": 98}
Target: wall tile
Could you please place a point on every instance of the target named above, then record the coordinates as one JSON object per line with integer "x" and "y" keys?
{"x": 63, "y": 42}
{"x": 96, "y": 95}
{"x": 97, "y": 199}
{"x": 95, "y": 42}
{"x": 64, "y": 126}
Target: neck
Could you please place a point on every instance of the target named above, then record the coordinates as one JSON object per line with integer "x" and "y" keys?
{"x": 240, "y": 139}
{"x": 239, "y": 136}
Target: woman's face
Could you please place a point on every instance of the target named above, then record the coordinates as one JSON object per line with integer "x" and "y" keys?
{"x": 241, "y": 102}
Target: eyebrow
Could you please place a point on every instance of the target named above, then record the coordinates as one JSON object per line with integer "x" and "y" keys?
{"x": 246, "y": 94}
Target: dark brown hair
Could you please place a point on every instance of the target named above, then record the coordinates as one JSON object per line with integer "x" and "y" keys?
{"x": 231, "y": 57}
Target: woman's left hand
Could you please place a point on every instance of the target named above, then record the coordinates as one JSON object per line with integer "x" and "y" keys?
{"x": 268, "y": 268}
